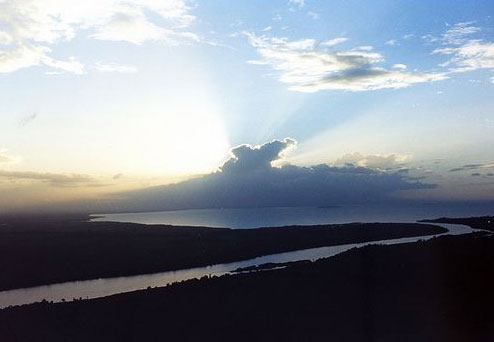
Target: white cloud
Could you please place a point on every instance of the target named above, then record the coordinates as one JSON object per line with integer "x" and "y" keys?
{"x": 299, "y": 3}
{"x": 7, "y": 158}
{"x": 391, "y": 42}
{"x": 429, "y": 38}
{"x": 333, "y": 42}
{"x": 32, "y": 25}
{"x": 21, "y": 57}
{"x": 115, "y": 67}
{"x": 5, "y": 38}
{"x": 466, "y": 53}
{"x": 381, "y": 162}
{"x": 4, "y": 158}
{"x": 313, "y": 15}
{"x": 308, "y": 69}
{"x": 474, "y": 54}
{"x": 459, "y": 32}
{"x": 27, "y": 55}
{"x": 132, "y": 29}
{"x": 399, "y": 66}
{"x": 72, "y": 65}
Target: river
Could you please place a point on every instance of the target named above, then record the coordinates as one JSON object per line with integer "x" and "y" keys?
{"x": 96, "y": 288}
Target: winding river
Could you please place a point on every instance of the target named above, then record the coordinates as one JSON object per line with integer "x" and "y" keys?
{"x": 96, "y": 288}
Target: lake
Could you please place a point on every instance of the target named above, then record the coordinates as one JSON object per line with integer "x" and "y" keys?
{"x": 273, "y": 217}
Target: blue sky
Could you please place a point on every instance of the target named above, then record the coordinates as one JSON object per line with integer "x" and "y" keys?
{"x": 104, "y": 96}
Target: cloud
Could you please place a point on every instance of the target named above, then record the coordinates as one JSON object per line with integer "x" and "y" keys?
{"x": 115, "y": 67}
{"x": 31, "y": 26}
{"x": 136, "y": 28}
{"x": 29, "y": 55}
{"x": 28, "y": 119}
{"x": 470, "y": 167}
{"x": 459, "y": 32}
{"x": 485, "y": 175}
{"x": 333, "y": 42}
{"x": 399, "y": 66}
{"x": 313, "y": 15}
{"x": 247, "y": 158}
{"x": 250, "y": 179}
{"x": 381, "y": 162}
{"x": 390, "y": 42}
{"x": 71, "y": 65}
{"x": 299, "y": 3}
{"x": 21, "y": 57}
{"x": 467, "y": 54}
{"x": 307, "y": 68}
{"x": 118, "y": 176}
{"x": 54, "y": 179}
{"x": 5, "y": 38}
{"x": 472, "y": 55}
{"x": 5, "y": 158}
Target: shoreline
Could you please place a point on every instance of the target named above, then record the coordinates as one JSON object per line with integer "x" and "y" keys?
{"x": 420, "y": 291}
{"x": 57, "y": 252}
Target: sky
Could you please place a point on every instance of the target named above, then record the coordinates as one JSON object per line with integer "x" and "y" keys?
{"x": 110, "y": 99}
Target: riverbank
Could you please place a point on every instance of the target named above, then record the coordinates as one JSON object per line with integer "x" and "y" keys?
{"x": 45, "y": 250}
{"x": 483, "y": 222}
{"x": 438, "y": 290}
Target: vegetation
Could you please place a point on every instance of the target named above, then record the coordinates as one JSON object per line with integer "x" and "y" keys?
{"x": 439, "y": 290}
{"x": 44, "y": 250}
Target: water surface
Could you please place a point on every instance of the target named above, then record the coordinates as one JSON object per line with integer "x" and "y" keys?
{"x": 274, "y": 217}
{"x": 96, "y": 288}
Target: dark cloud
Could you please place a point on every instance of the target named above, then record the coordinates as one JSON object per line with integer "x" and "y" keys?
{"x": 28, "y": 119}
{"x": 248, "y": 179}
{"x": 246, "y": 158}
{"x": 53, "y": 179}
{"x": 118, "y": 176}
{"x": 478, "y": 174}
{"x": 470, "y": 167}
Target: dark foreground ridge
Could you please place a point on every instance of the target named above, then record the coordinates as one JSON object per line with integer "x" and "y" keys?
{"x": 439, "y": 290}
{"x": 45, "y": 250}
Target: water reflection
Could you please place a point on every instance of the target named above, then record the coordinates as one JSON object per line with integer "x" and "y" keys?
{"x": 272, "y": 217}
{"x": 104, "y": 287}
